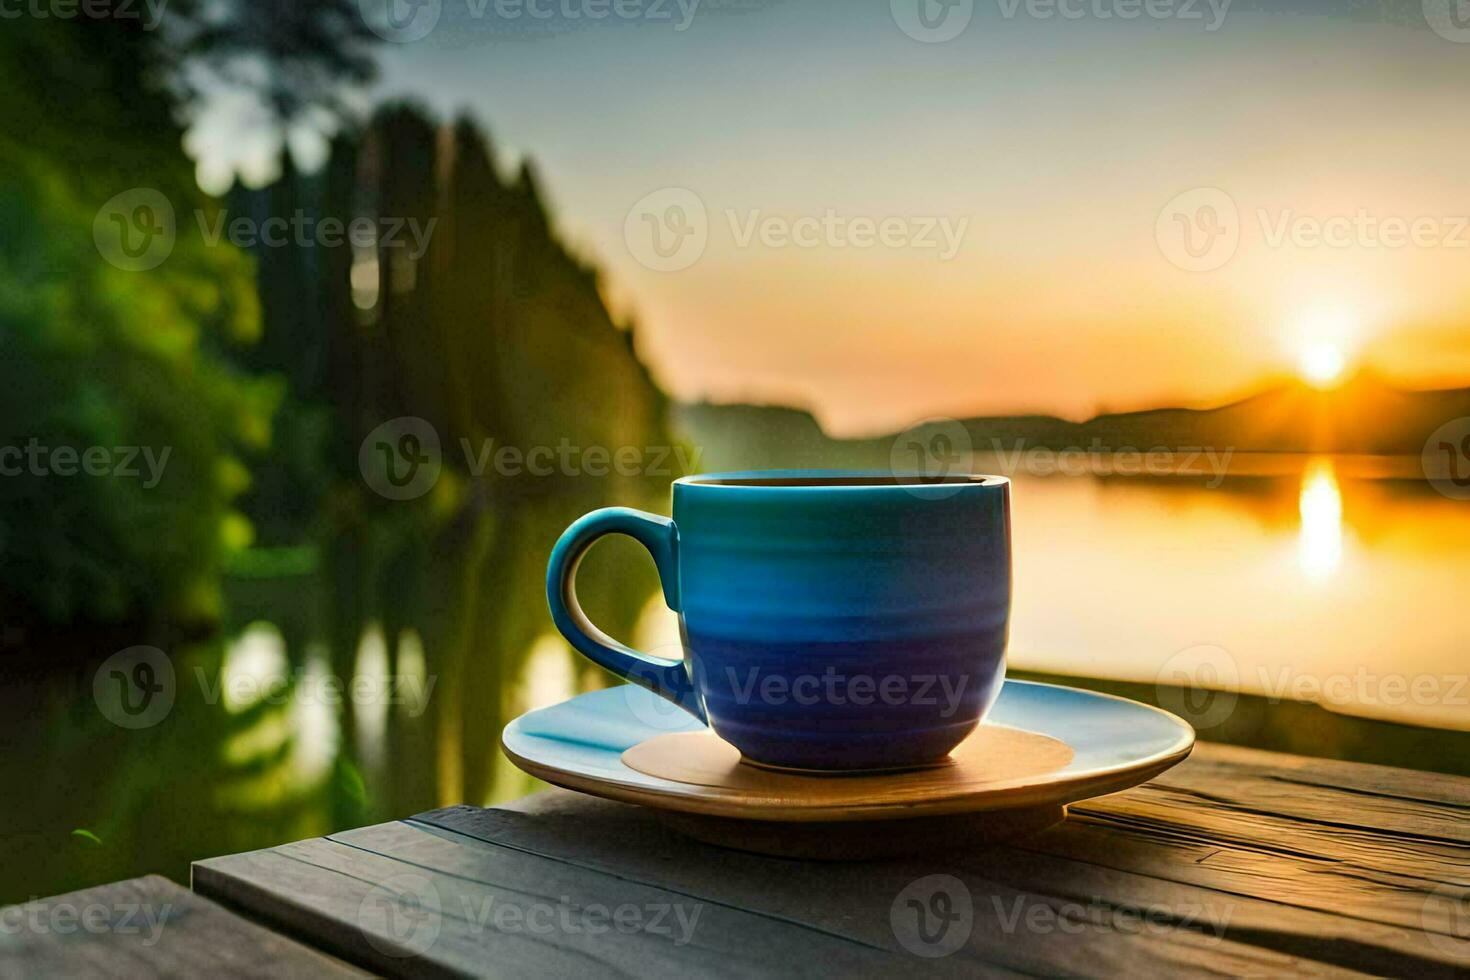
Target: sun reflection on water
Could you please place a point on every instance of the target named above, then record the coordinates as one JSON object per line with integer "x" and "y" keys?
{"x": 1319, "y": 543}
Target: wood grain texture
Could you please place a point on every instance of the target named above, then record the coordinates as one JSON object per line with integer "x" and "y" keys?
{"x": 147, "y": 927}
{"x": 465, "y": 907}
{"x": 1235, "y": 862}
{"x": 1331, "y": 864}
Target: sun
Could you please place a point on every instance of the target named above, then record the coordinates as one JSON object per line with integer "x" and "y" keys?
{"x": 1322, "y": 364}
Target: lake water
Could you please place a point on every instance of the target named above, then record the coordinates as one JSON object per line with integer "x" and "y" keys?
{"x": 1340, "y": 581}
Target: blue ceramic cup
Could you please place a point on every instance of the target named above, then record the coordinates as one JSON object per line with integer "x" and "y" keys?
{"x": 834, "y": 621}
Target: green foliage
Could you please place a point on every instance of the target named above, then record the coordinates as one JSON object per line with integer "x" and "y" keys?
{"x": 92, "y": 355}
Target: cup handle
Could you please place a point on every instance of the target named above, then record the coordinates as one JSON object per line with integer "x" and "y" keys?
{"x": 666, "y": 678}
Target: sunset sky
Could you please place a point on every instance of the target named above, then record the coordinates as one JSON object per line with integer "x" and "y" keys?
{"x": 1058, "y": 141}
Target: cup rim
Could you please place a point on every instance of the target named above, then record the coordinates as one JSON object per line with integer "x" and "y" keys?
{"x": 846, "y": 481}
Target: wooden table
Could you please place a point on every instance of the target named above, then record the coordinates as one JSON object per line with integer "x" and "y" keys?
{"x": 1237, "y": 861}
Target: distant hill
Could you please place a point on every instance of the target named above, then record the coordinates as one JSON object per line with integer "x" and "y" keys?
{"x": 1364, "y": 415}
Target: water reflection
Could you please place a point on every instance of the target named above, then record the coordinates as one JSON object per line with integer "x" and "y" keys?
{"x": 370, "y": 719}
{"x": 254, "y": 665}
{"x": 1319, "y": 543}
{"x": 548, "y": 677}
{"x": 1328, "y": 567}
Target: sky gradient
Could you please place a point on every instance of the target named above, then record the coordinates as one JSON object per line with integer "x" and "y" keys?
{"x": 1059, "y": 143}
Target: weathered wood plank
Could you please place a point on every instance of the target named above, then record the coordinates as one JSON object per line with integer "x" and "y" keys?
{"x": 403, "y": 900}
{"x": 1236, "y": 862}
{"x": 147, "y": 927}
{"x": 1365, "y": 867}
{"x": 1378, "y": 849}
{"x": 1046, "y": 929}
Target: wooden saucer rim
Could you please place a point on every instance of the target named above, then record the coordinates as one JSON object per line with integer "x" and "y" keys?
{"x": 1075, "y": 789}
